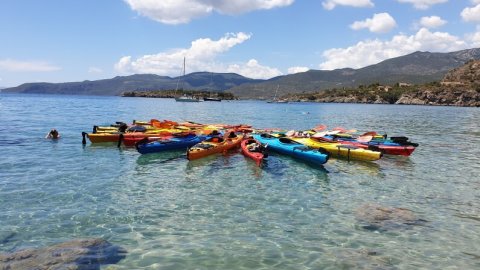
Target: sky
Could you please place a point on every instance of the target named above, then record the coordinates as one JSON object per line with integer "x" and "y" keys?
{"x": 71, "y": 40}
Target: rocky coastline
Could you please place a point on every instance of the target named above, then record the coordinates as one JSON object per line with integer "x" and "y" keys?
{"x": 438, "y": 97}
{"x": 459, "y": 87}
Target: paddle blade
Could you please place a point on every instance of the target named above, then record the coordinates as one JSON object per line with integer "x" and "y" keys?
{"x": 365, "y": 139}
{"x": 333, "y": 132}
{"x": 339, "y": 129}
{"x": 320, "y": 128}
{"x": 319, "y": 134}
{"x": 371, "y": 133}
{"x": 290, "y": 133}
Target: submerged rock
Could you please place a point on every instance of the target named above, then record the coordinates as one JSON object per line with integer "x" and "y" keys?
{"x": 361, "y": 259}
{"x": 79, "y": 254}
{"x": 377, "y": 217}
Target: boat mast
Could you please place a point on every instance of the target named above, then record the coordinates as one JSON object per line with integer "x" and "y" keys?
{"x": 178, "y": 81}
{"x": 276, "y": 91}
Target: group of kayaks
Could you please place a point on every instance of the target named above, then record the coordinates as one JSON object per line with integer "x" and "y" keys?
{"x": 314, "y": 146}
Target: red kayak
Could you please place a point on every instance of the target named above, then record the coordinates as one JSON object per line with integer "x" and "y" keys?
{"x": 400, "y": 150}
{"x": 130, "y": 141}
{"x": 254, "y": 150}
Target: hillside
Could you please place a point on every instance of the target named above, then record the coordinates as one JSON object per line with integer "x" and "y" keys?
{"x": 459, "y": 87}
{"x": 218, "y": 82}
{"x": 415, "y": 68}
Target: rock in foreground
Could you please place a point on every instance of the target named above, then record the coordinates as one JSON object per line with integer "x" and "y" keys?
{"x": 80, "y": 254}
{"x": 377, "y": 217}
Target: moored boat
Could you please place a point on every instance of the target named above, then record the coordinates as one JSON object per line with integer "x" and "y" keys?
{"x": 211, "y": 99}
{"x": 187, "y": 99}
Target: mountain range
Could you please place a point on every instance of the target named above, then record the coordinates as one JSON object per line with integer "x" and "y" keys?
{"x": 414, "y": 68}
{"x": 138, "y": 82}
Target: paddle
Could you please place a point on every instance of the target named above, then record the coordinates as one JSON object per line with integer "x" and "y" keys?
{"x": 320, "y": 128}
{"x": 343, "y": 130}
{"x": 319, "y": 134}
{"x": 365, "y": 139}
{"x": 84, "y": 141}
{"x": 372, "y": 133}
{"x": 333, "y": 132}
{"x": 290, "y": 133}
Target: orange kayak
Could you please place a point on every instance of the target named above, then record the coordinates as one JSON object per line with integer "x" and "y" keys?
{"x": 101, "y": 137}
{"x": 214, "y": 145}
{"x": 115, "y": 136}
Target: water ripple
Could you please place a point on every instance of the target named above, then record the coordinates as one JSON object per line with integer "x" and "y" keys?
{"x": 224, "y": 212}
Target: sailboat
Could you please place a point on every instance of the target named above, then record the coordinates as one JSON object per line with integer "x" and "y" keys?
{"x": 210, "y": 97}
{"x": 275, "y": 98}
{"x": 185, "y": 98}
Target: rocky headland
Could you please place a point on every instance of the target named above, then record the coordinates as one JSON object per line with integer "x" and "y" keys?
{"x": 459, "y": 87}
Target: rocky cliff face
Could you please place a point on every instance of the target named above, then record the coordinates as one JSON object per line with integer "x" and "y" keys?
{"x": 468, "y": 74}
{"x": 457, "y": 96}
{"x": 459, "y": 87}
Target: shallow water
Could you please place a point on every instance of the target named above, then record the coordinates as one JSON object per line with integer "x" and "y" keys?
{"x": 223, "y": 212}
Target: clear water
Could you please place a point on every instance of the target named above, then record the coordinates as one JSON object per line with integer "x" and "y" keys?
{"x": 223, "y": 212}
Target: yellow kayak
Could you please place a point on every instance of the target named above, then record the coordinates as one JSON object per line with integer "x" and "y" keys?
{"x": 341, "y": 150}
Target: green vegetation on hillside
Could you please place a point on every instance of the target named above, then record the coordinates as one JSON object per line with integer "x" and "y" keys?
{"x": 367, "y": 93}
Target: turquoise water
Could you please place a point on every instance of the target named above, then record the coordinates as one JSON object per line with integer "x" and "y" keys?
{"x": 222, "y": 212}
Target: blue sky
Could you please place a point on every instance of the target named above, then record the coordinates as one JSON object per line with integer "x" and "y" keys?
{"x": 70, "y": 40}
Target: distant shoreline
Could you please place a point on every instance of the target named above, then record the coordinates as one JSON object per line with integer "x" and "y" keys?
{"x": 406, "y": 100}
{"x": 175, "y": 93}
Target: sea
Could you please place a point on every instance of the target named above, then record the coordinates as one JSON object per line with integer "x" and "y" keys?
{"x": 223, "y": 211}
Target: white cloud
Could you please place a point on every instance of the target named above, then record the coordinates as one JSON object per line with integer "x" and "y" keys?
{"x": 199, "y": 57}
{"x": 379, "y": 23}
{"x": 423, "y": 4}
{"x": 95, "y": 70}
{"x": 471, "y": 14}
{"x": 474, "y": 39}
{"x": 331, "y": 4}
{"x": 432, "y": 22}
{"x": 26, "y": 66}
{"x": 252, "y": 69}
{"x": 183, "y": 11}
{"x": 371, "y": 52}
{"x": 294, "y": 70}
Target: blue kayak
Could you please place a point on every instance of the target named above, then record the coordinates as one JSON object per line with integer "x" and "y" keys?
{"x": 292, "y": 148}
{"x": 170, "y": 144}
